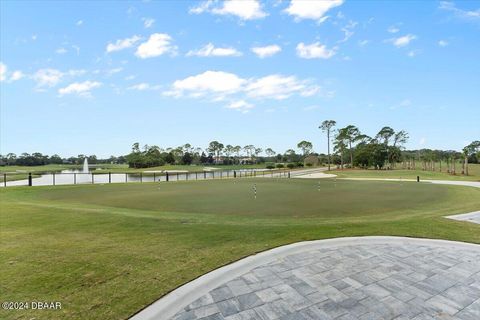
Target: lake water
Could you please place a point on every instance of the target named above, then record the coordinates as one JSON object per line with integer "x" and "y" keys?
{"x": 67, "y": 177}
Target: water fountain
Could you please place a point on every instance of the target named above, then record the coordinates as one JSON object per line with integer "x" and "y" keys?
{"x": 85, "y": 166}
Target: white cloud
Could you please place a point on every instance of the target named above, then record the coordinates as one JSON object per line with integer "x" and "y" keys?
{"x": 3, "y": 71}
{"x": 123, "y": 44}
{"x": 315, "y": 50}
{"x": 130, "y": 77}
{"x": 422, "y": 141}
{"x": 471, "y": 15}
{"x": 279, "y": 87}
{"x": 16, "y": 75}
{"x": 315, "y": 10}
{"x": 79, "y": 23}
{"x": 207, "y": 82}
{"x": 209, "y": 50}
{"x": 348, "y": 30}
{"x": 110, "y": 72}
{"x": 144, "y": 86}
{"x": 217, "y": 86}
{"x": 363, "y": 43}
{"x": 393, "y": 29}
{"x": 240, "y": 105}
{"x": 403, "y": 41}
{"x": 148, "y": 22}
{"x": 405, "y": 103}
{"x": 77, "y": 49}
{"x": 243, "y": 9}
{"x": 140, "y": 87}
{"x": 201, "y": 8}
{"x": 156, "y": 45}
{"x": 76, "y": 72}
{"x": 80, "y": 88}
{"x": 34, "y": 37}
{"x": 267, "y": 51}
{"x": 310, "y": 108}
{"x": 61, "y": 51}
{"x": 413, "y": 53}
{"x": 443, "y": 43}
{"x": 47, "y": 77}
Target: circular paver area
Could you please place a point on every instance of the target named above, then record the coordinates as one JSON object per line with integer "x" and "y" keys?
{"x": 397, "y": 278}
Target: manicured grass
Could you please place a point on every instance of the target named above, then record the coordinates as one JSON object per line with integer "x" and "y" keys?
{"x": 106, "y": 251}
{"x": 474, "y": 174}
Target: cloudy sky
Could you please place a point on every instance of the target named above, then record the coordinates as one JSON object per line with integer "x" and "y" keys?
{"x": 95, "y": 77}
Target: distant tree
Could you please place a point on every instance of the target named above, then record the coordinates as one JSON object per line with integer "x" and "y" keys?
{"x": 269, "y": 152}
{"x": 471, "y": 149}
{"x": 187, "y": 147}
{"x": 229, "y": 149}
{"x": 203, "y": 158}
{"x": 385, "y": 134}
{"x": 170, "y": 158}
{"x": 327, "y": 126}
{"x": 187, "y": 158}
{"x": 290, "y": 155}
{"x": 306, "y": 147}
{"x": 249, "y": 150}
{"x": 92, "y": 159}
{"x": 340, "y": 145}
{"x": 11, "y": 159}
{"x": 216, "y": 148}
{"x": 351, "y": 135}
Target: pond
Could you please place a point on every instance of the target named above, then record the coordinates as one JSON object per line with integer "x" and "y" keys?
{"x": 70, "y": 176}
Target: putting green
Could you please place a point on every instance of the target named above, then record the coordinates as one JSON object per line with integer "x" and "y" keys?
{"x": 280, "y": 198}
{"x": 106, "y": 251}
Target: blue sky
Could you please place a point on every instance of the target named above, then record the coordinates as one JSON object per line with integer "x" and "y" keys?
{"x": 95, "y": 77}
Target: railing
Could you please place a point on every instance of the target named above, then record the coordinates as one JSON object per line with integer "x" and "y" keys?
{"x": 73, "y": 178}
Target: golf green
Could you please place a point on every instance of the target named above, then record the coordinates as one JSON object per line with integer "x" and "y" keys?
{"x": 106, "y": 251}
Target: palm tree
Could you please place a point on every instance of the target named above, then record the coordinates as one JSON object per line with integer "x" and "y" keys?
{"x": 326, "y": 126}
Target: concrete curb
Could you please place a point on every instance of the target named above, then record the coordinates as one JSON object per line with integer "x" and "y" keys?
{"x": 473, "y": 217}
{"x": 447, "y": 182}
{"x": 167, "y": 306}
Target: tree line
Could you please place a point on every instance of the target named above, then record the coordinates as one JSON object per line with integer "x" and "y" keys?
{"x": 351, "y": 148}
{"x": 385, "y": 150}
{"x": 39, "y": 159}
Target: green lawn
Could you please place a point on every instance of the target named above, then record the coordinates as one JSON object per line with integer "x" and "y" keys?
{"x": 106, "y": 251}
{"x": 474, "y": 174}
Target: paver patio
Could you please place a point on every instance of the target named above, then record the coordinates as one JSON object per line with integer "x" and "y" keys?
{"x": 366, "y": 281}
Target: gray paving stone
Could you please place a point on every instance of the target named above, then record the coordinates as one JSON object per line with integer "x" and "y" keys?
{"x": 365, "y": 282}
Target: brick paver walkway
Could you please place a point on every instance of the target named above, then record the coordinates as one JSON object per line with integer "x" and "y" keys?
{"x": 368, "y": 282}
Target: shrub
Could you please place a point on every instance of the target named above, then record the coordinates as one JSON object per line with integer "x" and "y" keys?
{"x": 309, "y": 164}
{"x": 299, "y": 164}
{"x": 291, "y": 165}
{"x": 280, "y": 165}
{"x": 270, "y": 165}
